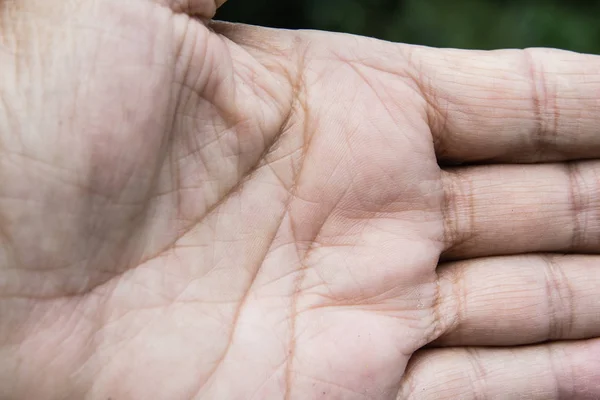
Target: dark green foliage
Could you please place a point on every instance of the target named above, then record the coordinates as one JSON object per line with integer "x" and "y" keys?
{"x": 475, "y": 24}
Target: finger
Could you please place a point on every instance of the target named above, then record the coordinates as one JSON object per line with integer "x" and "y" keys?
{"x": 201, "y": 8}
{"x": 563, "y": 370}
{"x": 519, "y": 300}
{"x": 511, "y": 105}
{"x": 513, "y": 209}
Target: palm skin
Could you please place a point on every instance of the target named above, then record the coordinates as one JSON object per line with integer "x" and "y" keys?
{"x": 201, "y": 210}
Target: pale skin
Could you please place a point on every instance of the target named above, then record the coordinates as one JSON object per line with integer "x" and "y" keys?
{"x": 198, "y": 210}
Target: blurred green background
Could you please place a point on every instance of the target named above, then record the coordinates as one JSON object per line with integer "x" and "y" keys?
{"x": 470, "y": 24}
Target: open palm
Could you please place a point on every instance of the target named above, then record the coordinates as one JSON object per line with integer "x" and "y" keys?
{"x": 192, "y": 209}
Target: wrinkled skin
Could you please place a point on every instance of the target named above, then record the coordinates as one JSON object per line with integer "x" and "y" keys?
{"x": 198, "y": 210}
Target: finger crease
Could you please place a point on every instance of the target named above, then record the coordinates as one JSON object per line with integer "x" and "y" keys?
{"x": 458, "y": 201}
{"x": 560, "y": 304}
{"x": 578, "y": 205}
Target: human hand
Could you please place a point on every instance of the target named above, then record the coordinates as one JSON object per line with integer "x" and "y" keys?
{"x": 203, "y": 210}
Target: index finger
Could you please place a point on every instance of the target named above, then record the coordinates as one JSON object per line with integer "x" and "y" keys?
{"x": 511, "y": 105}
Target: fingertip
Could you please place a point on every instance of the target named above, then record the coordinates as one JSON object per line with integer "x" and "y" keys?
{"x": 199, "y": 8}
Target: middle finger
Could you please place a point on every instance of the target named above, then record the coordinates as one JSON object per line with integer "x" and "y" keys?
{"x": 515, "y": 209}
